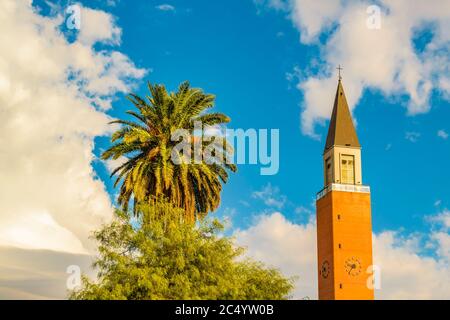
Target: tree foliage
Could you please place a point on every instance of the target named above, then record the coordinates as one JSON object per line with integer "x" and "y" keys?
{"x": 146, "y": 143}
{"x": 160, "y": 256}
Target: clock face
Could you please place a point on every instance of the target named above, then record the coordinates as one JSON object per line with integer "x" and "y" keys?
{"x": 325, "y": 269}
{"x": 353, "y": 266}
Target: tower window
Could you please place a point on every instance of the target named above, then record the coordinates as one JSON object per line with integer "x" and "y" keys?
{"x": 328, "y": 171}
{"x": 348, "y": 169}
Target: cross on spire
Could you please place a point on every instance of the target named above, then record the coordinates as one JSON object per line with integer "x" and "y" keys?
{"x": 339, "y": 68}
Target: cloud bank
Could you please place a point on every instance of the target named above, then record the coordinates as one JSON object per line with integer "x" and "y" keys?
{"x": 53, "y": 94}
{"x": 406, "y": 273}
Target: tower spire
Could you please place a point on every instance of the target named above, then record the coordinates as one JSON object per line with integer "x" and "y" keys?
{"x": 341, "y": 131}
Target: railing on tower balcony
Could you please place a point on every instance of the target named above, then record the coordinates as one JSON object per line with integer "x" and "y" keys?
{"x": 342, "y": 187}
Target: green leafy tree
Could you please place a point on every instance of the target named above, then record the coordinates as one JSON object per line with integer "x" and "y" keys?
{"x": 147, "y": 144}
{"x": 159, "y": 256}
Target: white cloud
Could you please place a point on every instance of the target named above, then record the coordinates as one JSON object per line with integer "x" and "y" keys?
{"x": 287, "y": 246}
{"x": 302, "y": 210}
{"x": 383, "y": 59}
{"x": 412, "y": 136}
{"x": 442, "y": 219}
{"x": 440, "y": 237}
{"x": 270, "y": 196}
{"x": 112, "y": 164}
{"x": 98, "y": 26}
{"x": 165, "y": 7}
{"x": 112, "y": 3}
{"x": 275, "y": 4}
{"x": 227, "y": 216}
{"x": 442, "y": 244}
{"x": 405, "y": 272}
{"x": 442, "y": 134}
{"x": 52, "y": 97}
{"x": 312, "y": 17}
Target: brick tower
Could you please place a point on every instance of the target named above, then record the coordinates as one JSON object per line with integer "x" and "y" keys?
{"x": 344, "y": 229}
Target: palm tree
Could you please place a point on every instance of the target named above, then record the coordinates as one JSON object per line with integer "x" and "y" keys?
{"x": 149, "y": 171}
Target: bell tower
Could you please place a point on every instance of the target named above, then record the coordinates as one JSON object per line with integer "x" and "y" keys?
{"x": 344, "y": 229}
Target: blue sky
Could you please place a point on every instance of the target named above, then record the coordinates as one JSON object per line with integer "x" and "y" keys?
{"x": 242, "y": 53}
{"x": 271, "y": 65}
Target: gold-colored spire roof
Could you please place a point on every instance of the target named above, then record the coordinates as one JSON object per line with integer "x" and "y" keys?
{"x": 341, "y": 131}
